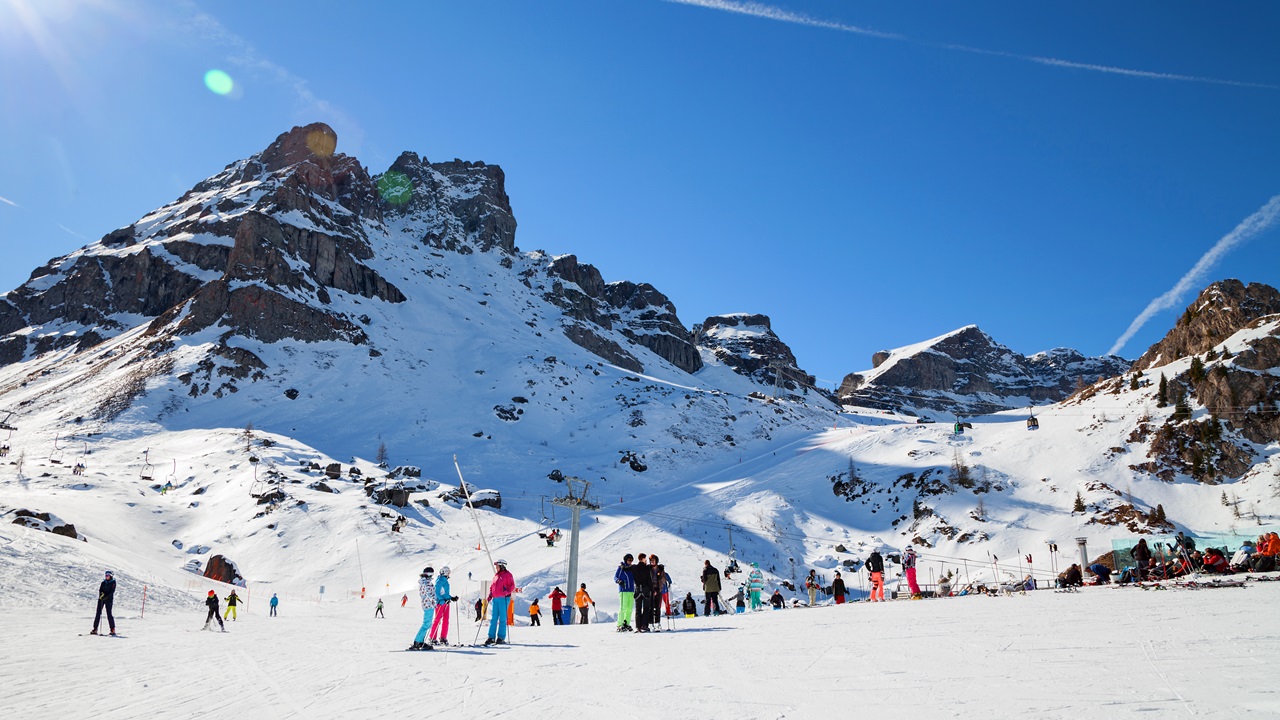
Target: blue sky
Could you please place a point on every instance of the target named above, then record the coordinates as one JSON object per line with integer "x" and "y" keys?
{"x": 869, "y": 175}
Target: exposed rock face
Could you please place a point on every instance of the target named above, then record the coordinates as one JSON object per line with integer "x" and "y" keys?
{"x": 641, "y": 313}
{"x": 1221, "y": 309}
{"x": 748, "y": 344}
{"x": 222, "y": 569}
{"x": 966, "y": 372}
{"x": 454, "y": 205}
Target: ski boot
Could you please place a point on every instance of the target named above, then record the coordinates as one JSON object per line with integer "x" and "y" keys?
{"x": 490, "y": 641}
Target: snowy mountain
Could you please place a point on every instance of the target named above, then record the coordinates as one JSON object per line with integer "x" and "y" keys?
{"x": 965, "y": 372}
{"x": 299, "y": 349}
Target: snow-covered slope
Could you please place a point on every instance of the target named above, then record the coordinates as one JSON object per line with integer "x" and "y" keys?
{"x": 294, "y": 312}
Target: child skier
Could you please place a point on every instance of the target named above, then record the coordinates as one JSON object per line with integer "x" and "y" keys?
{"x": 689, "y": 606}
{"x": 212, "y": 602}
{"x": 378, "y": 611}
{"x": 534, "y": 611}
{"x": 426, "y": 591}
{"x": 232, "y": 599}
{"x": 440, "y": 624}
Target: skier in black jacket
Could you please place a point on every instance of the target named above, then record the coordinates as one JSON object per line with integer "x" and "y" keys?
{"x": 212, "y": 602}
{"x": 106, "y": 596}
{"x": 875, "y": 570}
{"x": 642, "y": 572}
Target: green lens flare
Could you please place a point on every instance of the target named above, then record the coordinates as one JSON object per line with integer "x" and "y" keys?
{"x": 396, "y": 188}
{"x": 218, "y": 82}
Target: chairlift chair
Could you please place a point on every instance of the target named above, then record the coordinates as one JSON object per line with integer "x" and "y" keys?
{"x": 1033, "y": 423}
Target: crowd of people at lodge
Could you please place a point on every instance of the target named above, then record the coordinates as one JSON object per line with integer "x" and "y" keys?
{"x": 1179, "y": 559}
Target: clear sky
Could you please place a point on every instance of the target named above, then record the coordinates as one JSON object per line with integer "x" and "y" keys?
{"x": 869, "y": 175}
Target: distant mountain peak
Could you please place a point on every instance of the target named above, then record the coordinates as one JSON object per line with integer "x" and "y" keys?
{"x": 966, "y": 372}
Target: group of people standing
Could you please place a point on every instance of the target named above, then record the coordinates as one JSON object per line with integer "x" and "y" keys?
{"x": 643, "y": 591}
{"x": 581, "y": 600}
{"x": 435, "y": 596}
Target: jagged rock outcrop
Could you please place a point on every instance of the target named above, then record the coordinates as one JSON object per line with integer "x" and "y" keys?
{"x": 1220, "y": 310}
{"x": 748, "y": 344}
{"x": 966, "y": 372}
{"x": 455, "y": 206}
{"x": 222, "y": 569}
{"x": 641, "y": 313}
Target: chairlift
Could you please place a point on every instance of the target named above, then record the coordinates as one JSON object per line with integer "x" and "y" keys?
{"x": 55, "y": 457}
{"x": 4, "y": 424}
{"x": 148, "y": 470}
{"x": 4, "y": 449}
{"x": 80, "y": 465}
{"x": 1032, "y": 422}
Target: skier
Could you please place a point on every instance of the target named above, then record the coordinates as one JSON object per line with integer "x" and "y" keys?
{"x": 106, "y": 597}
{"x": 581, "y": 599}
{"x": 479, "y": 609}
{"x": 427, "y": 592}
{"x": 500, "y": 590}
{"x": 838, "y": 589}
{"x": 404, "y": 600}
{"x": 440, "y": 623}
{"x": 534, "y": 612}
{"x": 811, "y": 584}
{"x": 626, "y": 592}
{"x": 739, "y": 600}
{"x": 776, "y": 599}
{"x": 909, "y": 564}
{"x": 875, "y": 568}
{"x": 274, "y": 602}
{"x": 755, "y": 583}
{"x": 1140, "y": 554}
{"x": 378, "y": 611}
{"x": 232, "y": 600}
{"x": 689, "y": 606}
{"x": 711, "y": 587}
{"x": 642, "y": 573}
{"x": 212, "y": 602}
{"x": 557, "y": 606}
{"x": 1102, "y": 571}
{"x": 662, "y": 583}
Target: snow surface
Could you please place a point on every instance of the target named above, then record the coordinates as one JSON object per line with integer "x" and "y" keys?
{"x": 1103, "y": 652}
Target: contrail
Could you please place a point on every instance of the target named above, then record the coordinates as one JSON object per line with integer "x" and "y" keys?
{"x": 7, "y": 201}
{"x": 770, "y": 12}
{"x": 1247, "y": 229}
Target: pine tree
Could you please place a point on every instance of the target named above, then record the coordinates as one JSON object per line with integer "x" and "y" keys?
{"x": 960, "y": 472}
{"x": 1133, "y": 382}
{"x": 1079, "y": 506}
{"x": 1225, "y": 501}
{"x": 1226, "y": 353}
{"x": 1181, "y": 408}
{"x": 1160, "y": 516}
{"x": 1162, "y": 396}
{"x": 1196, "y": 373}
{"x": 381, "y": 456}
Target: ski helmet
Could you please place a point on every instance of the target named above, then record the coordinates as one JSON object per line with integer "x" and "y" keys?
{"x": 755, "y": 564}
{"x": 109, "y": 574}
{"x": 444, "y": 571}
{"x": 212, "y": 593}
{"x": 428, "y": 570}
{"x": 503, "y": 563}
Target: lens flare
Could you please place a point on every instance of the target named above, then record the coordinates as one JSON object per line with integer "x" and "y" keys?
{"x": 396, "y": 188}
{"x": 219, "y": 82}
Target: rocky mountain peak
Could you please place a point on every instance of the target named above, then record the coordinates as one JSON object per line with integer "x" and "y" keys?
{"x": 1220, "y": 310}
{"x": 315, "y": 143}
{"x": 746, "y": 342}
{"x": 967, "y": 372}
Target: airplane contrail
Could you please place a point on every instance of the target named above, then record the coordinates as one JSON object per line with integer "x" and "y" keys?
{"x": 7, "y": 201}
{"x": 1251, "y": 226}
{"x": 770, "y": 12}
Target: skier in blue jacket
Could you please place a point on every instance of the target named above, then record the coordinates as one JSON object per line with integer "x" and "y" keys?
{"x": 440, "y": 625}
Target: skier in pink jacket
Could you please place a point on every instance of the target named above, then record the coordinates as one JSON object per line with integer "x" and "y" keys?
{"x": 500, "y": 591}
